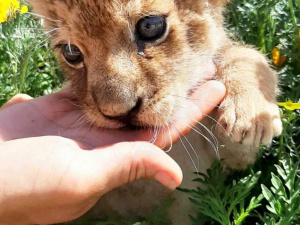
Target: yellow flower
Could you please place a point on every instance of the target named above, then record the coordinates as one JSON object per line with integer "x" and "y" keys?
{"x": 289, "y": 105}
{"x": 278, "y": 60}
{"x": 24, "y": 9}
{"x": 8, "y": 8}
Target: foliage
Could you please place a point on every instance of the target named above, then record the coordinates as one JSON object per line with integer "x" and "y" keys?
{"x": 27, "y": 63}
{"x": 218, "y": 201}
{"x": 283, "y": 198}
{"x": 267, "y": 24}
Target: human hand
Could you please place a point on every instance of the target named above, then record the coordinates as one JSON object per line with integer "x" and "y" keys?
{"x": 52, "y": 179}
{"x": 48, "y": 180}
{"x": 57, "y": 115}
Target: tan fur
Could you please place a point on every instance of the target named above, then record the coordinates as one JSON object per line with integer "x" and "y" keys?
{"x": 195, "y": 48}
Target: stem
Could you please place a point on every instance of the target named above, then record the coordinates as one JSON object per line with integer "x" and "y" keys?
{"x": 292, "y": 10}
{"x": 24, "y": 71}
{"x": 262, "y": 38}
{"x": 273, "y": 29}
{"x": 281, "y": 145}
{"x": 298, "y": 3}
{"x": 281, "y": 139}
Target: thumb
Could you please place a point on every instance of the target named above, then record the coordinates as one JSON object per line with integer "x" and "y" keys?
{"x": 19, "y": 98}
{"x": 122, "y": 163}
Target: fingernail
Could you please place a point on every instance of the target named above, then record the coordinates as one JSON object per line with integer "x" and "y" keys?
{"x": 166, "y": 180}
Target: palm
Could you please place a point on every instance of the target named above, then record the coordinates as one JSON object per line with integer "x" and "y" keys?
{"x": 52, "y": 180}
{"x": 52, "y": 115}
{"x": 57, "y": 115}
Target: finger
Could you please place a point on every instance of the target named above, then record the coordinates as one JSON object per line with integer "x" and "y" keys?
{"x": 203, "y": 101}
{"x": 122, "y": 163}
{"x": 19, "y": 98}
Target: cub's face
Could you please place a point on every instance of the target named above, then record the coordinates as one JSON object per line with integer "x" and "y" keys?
{"x": 133, "y": 62}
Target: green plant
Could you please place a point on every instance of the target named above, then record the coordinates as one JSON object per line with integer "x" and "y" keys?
{"x": 27, "y": 63}
{"x": 223, "y": 202}
{"x": 283, "y": 196}
{"x": 265, "y": 24}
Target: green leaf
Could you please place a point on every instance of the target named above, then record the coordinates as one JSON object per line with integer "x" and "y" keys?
{"x": 278, "y": 186}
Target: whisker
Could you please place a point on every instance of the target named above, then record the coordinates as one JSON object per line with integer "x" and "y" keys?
{"x": 44, "y": 17}
{"x": 68, "y": 111}
{"x": 197, "y": 130}
{"x": 72, "y": 103}
{"x": 163, "y": 129}
{"x": 216, "y": 142}
{"x": 194, "y": 151}
{"x": 210, "y": 117}
{"x": 34, "y": 48}
{"x": 48, "y": 32}
{"x": 31, "y": 29}
{"x": 187, "y": 151}
{"x": 164, "y": 137}
{"x": 202, "y": 125}
{"x": 153, "y": 139}
{"x": 167, "y": 121}
{"x": 156, "y": 136}
{"x": 170, "y": 136}
{"x": 214, "y": 146}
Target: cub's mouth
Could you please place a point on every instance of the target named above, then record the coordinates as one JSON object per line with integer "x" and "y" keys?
{"x": 135, "y": 113}
{"x": 128, "y": 120}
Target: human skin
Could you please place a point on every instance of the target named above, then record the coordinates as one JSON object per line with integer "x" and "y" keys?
{"x": 54, "y": 167}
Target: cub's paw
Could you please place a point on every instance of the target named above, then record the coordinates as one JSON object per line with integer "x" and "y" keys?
{"x": 249, "y": 119}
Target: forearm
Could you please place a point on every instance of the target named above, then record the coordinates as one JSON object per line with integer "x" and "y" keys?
{"x": 12, "y": 210}
{"x": 12, "y": 218}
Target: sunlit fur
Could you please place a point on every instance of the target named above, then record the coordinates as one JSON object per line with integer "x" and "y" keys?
{"x": 105, "y": 33}
{"x": 194, "y": 49}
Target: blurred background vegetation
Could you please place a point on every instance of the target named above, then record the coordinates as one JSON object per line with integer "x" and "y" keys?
{"x": 266, "y": 193}
{"x": 27, "y": 63}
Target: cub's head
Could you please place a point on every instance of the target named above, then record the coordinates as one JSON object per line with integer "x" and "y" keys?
{"x": 134, "y": 62}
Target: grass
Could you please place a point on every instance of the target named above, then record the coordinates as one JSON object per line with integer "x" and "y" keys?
{"x": 27, "y": 63}
{"x": 266, "y": 193}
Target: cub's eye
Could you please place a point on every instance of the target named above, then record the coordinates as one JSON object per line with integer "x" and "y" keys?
{"x": 72, "y": 54}
{"x": 151, "y": 28}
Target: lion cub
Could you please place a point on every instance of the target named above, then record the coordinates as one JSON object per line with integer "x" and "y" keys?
{"x": 136, "y": 62}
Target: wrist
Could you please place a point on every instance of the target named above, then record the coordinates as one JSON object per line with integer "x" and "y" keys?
{"x": 13, "y": 210}
{"x": 12, "y": 217}
{"x": 10, "y": 212}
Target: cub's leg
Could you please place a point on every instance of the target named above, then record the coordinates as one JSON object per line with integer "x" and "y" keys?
{"x": 249, "y": 115}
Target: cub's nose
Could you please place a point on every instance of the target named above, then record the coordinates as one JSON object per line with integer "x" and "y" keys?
{"x": 126, "y": 117}
{"x": 117, "y": 99}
